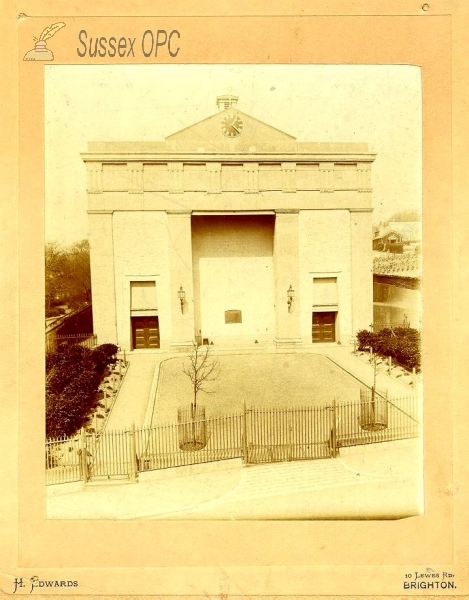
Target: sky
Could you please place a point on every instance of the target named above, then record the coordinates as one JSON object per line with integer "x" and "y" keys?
{"x": 377, "y": 104}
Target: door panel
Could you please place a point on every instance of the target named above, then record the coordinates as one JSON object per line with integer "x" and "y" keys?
{"x": 145, "y": 332}
{"x": 324, "y": 327}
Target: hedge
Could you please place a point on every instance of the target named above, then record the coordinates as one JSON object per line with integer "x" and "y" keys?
{"x": 73, "y": 377}
{"x": 401, "y": 343}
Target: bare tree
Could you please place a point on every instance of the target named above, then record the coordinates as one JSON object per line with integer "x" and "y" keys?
{"x": 68, "y": 273}
{"x": 55, "y": 268}
{"x": 202, "y": 369}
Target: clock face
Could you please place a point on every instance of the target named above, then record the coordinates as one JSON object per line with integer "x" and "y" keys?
{"x": 231, "y": 125}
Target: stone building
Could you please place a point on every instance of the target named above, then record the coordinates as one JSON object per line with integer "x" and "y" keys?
{"x": 229, "y": 232}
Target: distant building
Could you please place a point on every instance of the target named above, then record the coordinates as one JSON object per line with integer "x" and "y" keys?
{"x": 397, "y": 298}
{"x": 397, "y": 233}
{"x": 229, "y": 232}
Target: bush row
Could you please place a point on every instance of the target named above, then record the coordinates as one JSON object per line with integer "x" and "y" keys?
{"x": 401, "y": 343}
{"x": 73, "y": 377}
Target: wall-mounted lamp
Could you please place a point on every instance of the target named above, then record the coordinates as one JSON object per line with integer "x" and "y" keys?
{"x": 182, "y": 297}
{"x": 290, "y": 295}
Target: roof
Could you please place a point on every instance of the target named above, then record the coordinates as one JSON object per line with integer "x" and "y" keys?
{"x": 410, "y": 231}
{"x": 398, "y": 265}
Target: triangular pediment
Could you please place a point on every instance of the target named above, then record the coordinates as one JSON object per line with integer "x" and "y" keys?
{"x": 216, "y": 133}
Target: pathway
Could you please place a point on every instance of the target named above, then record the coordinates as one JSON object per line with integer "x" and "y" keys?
{"x": 132, "y": 401}
{"x": 345, "y": 358}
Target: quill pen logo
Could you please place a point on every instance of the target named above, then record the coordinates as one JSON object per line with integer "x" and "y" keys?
{"x": 41, "y": 52}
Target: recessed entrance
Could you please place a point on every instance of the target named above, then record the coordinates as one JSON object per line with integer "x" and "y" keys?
{"x": 145, "y": 332}
{"x": 324, "y": 326}
{"x": 233, "y": 270}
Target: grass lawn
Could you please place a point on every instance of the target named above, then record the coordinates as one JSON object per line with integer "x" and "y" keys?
{"x": 262, "y": 380}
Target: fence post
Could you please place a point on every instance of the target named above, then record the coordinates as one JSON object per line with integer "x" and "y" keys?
{"x": 83, "y": 453}
{"x": 334, "y": 430}
{"x": 413, "y": 377}
{"x": 245, "y": 432}
{"x": 390, "y": 364}
{"x": 133, "y": 456}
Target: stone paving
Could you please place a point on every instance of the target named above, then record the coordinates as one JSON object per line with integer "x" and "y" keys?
{"x": 132, "y": 401}
{"x": 383, "y": 481}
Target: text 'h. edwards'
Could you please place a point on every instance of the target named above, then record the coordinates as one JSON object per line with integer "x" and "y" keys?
{"x": 229, "y": 232}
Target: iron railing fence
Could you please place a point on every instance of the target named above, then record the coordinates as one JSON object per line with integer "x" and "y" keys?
{"x": 88, "y": 340}
{"x": 190, "y": 442}
{"x": 280, "y": 434}
{"x": 63, "y": 460}
{"x": 377, "y": 419}
{"x": 257, "y": 435}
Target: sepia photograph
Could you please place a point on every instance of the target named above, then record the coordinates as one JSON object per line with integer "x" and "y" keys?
{"x": 233, "y": 314}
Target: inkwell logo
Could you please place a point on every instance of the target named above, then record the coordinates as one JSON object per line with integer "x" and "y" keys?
{"x": 41, "y": 52}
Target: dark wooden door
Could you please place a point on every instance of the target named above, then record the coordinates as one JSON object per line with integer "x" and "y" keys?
{"x": 145, "y": 332}
{"x": 324, "y": 326}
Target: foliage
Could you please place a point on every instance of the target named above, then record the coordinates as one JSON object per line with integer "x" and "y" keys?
{"x": 365, "y": 339}
{"x": 68, "y": 277}
{"x": 57, "y": 311}
{"x": 201, "y": 369}
{"x": 401, "y": 343}
{"x": 74, "y": 374}
{"x": 403, "y": 216}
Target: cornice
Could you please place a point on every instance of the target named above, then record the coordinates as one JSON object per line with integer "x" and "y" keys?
{"x": 198, "y": 157}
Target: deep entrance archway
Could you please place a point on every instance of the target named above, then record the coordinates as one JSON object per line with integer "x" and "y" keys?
{"x": 233, "y": 269}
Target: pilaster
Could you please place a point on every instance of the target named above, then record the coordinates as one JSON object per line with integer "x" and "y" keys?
{"x": 95, "y": 177}
{"x": 327, "y": 177}
{"x": 361, "y": 269}
{"x": 286, "y": 270}
{"x": 363, "y": 177}
{"x": 135, "y": 170}
{"x": 181, "y": 279}
{"x": 252, "y": 178}
{"x": 176, "y": 177}
{"x": 213, "y": 178}
{"x": 288, "y": 178}
{"x": 103, "y": 276}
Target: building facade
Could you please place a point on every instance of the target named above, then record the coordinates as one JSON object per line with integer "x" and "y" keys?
{"x": 229, "y": 232}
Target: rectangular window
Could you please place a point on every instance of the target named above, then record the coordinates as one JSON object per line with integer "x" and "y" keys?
{"x": 325, "y": 291}
{"x": 143, "y": 295}
{"x": 233, "y": 316}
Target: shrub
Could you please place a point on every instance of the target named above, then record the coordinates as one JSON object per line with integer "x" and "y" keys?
{"x": 401, "y": 343}
{"x": 365, "y": 339}
{"x": 74, "y": 373}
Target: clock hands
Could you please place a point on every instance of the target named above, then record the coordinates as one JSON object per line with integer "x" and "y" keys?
{"x": 232, "y": 126}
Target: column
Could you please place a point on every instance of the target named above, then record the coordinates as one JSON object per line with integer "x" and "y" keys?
{"x": 180, "y": 265}
{"x": 287, "y": 273}
{"x": 103, "y": 276}
{"x": 362, "y": 269}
